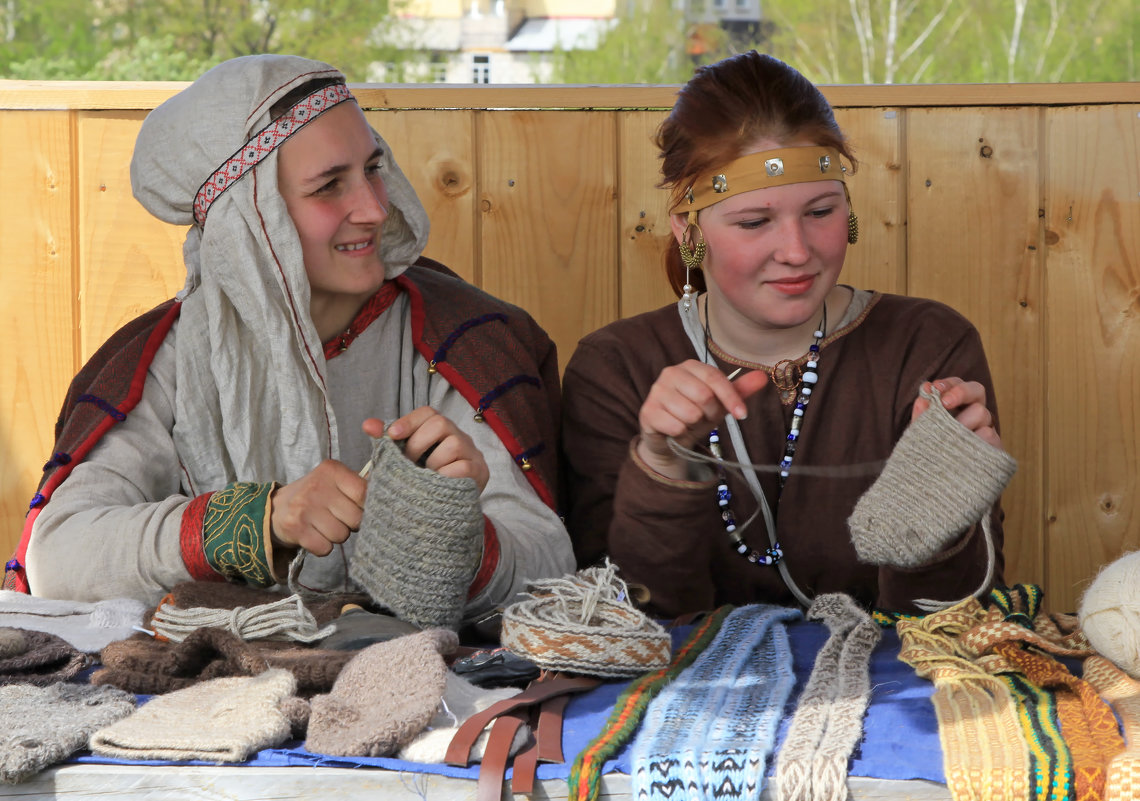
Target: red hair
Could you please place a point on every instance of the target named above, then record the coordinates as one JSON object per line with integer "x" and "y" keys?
{"x": 726, "y": 107}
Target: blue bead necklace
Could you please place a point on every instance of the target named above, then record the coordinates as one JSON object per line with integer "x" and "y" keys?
{"x": 805, "y": 384}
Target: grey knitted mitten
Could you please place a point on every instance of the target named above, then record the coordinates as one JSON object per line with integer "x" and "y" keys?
{"x": 420, "y": 542}
{"x": 46, "y": 725}
{"x": 940, "y": 479}
{"x": 383, "y": 697}
{"x": 220, "y": 720}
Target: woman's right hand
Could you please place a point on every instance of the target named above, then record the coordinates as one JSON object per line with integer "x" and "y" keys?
{"x": 686, "y": 402}
{"x": 320, "y": 509}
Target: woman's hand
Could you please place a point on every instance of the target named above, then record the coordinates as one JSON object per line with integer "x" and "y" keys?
{"x": 435, "y": 442}
{"x": 686, "y": 402}
{"x": 320, "y": 509}
{"x": 966, "y": 400}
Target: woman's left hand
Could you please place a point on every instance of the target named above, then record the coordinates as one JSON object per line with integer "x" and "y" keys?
{"x": 966, "y": 400}
{"x": 435, "y": 442}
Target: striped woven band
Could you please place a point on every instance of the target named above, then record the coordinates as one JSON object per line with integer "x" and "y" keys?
{"x": 788, "y": 165}
{"x": 265, "y": 142}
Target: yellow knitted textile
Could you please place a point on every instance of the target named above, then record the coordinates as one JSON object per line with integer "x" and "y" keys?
{"x": 984, "y": 752}
{"x": 1123, "y": 692}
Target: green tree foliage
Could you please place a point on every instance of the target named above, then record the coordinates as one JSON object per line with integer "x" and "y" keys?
{"x": 111, "y": 39}
{"x": 648, "y": 44}
{"x": 66, "y": 31}
{"x": 957, "y": 41}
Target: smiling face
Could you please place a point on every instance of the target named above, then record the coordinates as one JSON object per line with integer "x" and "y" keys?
{"x": 329, "y": 175}
{"x": 773, "y": 255}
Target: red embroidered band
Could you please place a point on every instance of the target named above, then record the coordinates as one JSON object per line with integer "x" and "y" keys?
{"x": 265, "y": 142}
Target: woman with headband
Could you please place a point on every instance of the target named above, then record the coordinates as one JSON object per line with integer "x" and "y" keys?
{"x": 226, "y": 431}
{"x": 766, "y": 360}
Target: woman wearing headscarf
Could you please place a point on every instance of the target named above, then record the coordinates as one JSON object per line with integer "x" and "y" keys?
{"x": 225, "y": 431}
{"x": 768, "y": 362}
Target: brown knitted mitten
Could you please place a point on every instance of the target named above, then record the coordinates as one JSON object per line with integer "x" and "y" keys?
{"x": 383, "y": 698}
{"x": 940, "y": 479}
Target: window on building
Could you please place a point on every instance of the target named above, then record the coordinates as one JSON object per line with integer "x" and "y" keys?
{"x": 480, "y": 69}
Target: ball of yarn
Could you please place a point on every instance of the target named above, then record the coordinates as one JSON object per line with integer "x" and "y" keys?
{"x": 1109, "y": 613}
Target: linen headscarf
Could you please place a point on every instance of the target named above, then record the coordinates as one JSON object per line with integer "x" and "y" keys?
{"x": 252, "y": 401}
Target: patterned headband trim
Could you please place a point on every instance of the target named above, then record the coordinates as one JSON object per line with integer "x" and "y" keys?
{"x": 789, "y": 165}
{"x": 265, "y": 142}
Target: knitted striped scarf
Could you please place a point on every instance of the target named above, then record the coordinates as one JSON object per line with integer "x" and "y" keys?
{"x": 708, "y": 735}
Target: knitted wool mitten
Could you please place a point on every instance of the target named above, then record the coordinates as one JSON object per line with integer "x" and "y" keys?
{"x": 141, "y": 664}
{"x": 44, "y": 659}
{"x": 420, "y": 542}
{"x": 45, "y": 725}
{"x": 940, "y": 479}
{"x": 383, "y": 698}
{"x": 223, "y": 720}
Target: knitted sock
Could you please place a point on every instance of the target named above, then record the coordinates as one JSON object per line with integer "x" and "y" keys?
{"x": 461, "y": 700}
{"x": 45, "y": 659}
{"x": 420, "y": 542}
{"x": 383, "y": 698}
{"x": 585, "y": 624}
{"x": 223, "y": 720}
{"x": 710, "y": 732}
{"x": 827, "y": 724}
{"x": 940, "y": 479}
{"x": 45, "y": 725}
{"x": 87, "y": 627}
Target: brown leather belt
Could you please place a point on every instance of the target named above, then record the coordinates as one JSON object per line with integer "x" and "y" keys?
{"x": 542, "y": 704}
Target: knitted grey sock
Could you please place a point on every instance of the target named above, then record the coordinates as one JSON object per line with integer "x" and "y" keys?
{"x": 45, "y": 725}
{"x": 383, "y": 697}
{"x": 940, "y": 479}
{"x": 828, "y": 721}
{"x": 420, "y": 542}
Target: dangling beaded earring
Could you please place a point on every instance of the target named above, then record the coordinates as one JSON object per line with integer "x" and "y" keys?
{"x": 852, "y": 220}
{"x": 691, "y": 255}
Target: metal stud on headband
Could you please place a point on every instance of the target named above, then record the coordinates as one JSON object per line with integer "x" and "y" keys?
{"x": 788, "y": 165}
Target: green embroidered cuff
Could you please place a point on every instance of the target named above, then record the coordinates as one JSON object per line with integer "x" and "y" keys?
{"x": 235, "y": 533}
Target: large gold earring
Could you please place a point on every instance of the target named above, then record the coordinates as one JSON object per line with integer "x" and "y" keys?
{"x": 691, "y": 256}
{"x": 852, "y": 220}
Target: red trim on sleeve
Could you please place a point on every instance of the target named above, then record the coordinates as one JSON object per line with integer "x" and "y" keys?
{"x": 190, "y": 541}
{"x": 490, "y": 561}
{"x": 465, "y": 389}
{"x": 134, "y": 394}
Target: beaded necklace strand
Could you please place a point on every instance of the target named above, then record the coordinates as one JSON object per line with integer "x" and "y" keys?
{"x": 810, "y": 377}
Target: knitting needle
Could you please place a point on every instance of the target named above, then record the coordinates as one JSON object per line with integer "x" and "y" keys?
{"x": 364, "y": 471}
{"x": 734, "y": 373}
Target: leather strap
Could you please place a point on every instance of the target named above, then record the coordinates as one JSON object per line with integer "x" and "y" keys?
{"x": 459, "y": 751}
{"x": 495, "y": 758}
{"x": 526, "y": 760}
{"x": 548, "y": 733}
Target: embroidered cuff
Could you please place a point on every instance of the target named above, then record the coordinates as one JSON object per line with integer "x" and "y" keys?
{"x": 489, "y": 562}
{"x": 235, "y": 533}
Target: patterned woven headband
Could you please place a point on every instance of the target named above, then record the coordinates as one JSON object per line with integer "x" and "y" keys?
{"x": 265, "y": 142}
{"x": 789, "y": 165}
